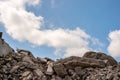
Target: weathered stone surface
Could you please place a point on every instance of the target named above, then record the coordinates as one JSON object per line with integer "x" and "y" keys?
{"x": 39, "y": 73}
{"x": 5, "y": 49}
{"x": 28, "y": 59}
{"x": 50, "y": 68}
{"x": 60, "y": 69}
{"x": 72, "y": 62}
{"x": 101, "y": 56}
{"x": 22, "y": 65}
{"x": 25, "y": 52}
{"x": 14, "y": 68}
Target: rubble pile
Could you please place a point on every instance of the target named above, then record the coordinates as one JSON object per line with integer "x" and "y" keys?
{"x": 22, "y": 65}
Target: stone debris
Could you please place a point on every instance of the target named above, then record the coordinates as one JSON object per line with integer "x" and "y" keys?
{"x": 50, "y": 68}
{"x": 5, "y": 49}
{"x": 22, "y": 65}
{"x": 60, "y": 69}
{"x": 101, "y": 56}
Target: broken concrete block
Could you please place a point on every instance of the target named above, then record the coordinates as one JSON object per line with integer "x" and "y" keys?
{"x": 60, "y": 70}
{"x": 50, "y": 68}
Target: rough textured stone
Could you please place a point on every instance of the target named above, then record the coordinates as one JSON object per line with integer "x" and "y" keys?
{"x": 25, "y": 52}
{"x": 28, "y": 59}
{"x": 50, "y": 68}
{"x": 22, "y": 65}
{"x": 101, "y": 56}
{"x": 38, "y": 72}
{"x": 60, "y": 69}
{"x": 72, "y": 62}
{"x": 5, "y": 49}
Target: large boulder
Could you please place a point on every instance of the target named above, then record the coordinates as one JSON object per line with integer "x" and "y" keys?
{"x": 5, "y": 49}
{"x": 100, "y": 56}
{"x": 60, "y": 69}
{"x": 73, "y": 61}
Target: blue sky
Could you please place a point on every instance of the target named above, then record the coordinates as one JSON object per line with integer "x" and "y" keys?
{"x": 98, "y": 19}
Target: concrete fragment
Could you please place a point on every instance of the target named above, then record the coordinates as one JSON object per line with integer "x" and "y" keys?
{"x": 50, "y": 68}
{"x": 60, "y": 70}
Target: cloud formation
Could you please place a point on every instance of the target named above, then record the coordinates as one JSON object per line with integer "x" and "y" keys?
{"x": 114, "y": 47}
{"x": 22, "y": 25}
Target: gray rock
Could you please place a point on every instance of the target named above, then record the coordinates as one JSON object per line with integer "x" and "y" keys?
{"x": 98, "y": 55}
{"x": 25, "y": 52}
{"x": 39, "y": 73}
{"x": 28, "y": 59}
{"x": 50, "y": 68}
{"x": 60, "y": 70}
{"x": 42, "y": 60}
{"x": 5, "y": 49}
{"x": 84, "y": 62}
{"x": 26, "y": 75}
{"x": 14, "y": 68}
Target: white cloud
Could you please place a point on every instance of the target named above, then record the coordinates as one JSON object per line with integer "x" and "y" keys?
{"x": 114, "y": 47}
{"x": 26, "y": 26}
{"x": 18, "y": 22}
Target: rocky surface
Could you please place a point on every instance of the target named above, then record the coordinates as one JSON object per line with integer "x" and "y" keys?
{"x": 4, "y": 47}
{"x": 22, "y": 65}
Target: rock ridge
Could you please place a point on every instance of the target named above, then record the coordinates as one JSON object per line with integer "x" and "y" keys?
{"x": 22, "y": 65}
